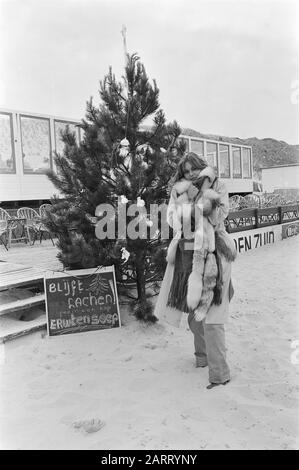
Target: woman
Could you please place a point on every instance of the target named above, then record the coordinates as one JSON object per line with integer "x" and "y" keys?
{"x": 197, "y": 279}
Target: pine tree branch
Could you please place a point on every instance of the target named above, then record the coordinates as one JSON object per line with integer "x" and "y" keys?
{"x": 125, "y": 168}
{"x": 149, "y": 106}
{"x": 152, "y": 279}
{"x": 129, "y": 276}
{"x": 112, "y": 185}
{"x": 113, "y": 85}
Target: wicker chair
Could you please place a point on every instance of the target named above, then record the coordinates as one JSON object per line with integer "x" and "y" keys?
{"x": 6, "y": 227}
{"x": 270, "y": 200}
{"x": 3, "y": 227}
{"x": 33, "y": 223}
{"x": 234, "y": 202}
{"x": 252, "y": 201}
{"x": 44, "y": 208}
{"x": 242, "y": 203}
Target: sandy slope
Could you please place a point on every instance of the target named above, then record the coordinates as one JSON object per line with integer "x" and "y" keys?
{"x": 141, "y": 381}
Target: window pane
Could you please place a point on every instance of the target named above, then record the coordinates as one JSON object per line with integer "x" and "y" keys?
{"x": 7, "y": 161}
{"x": 246, "y": 157}
{"x": 224, "y": 161}
{"x": 197, "y": 147}
{"x": 60, "y": 126}
{"x": 237, "y": 162}
{"x": 36, "y": 148}
{"x": 212, "y": 155}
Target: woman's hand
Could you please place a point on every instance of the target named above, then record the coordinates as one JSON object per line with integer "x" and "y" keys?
{"x": 208, "y": 206}
{"x": 209, "y": 173}
{"x": 192, "y": 192}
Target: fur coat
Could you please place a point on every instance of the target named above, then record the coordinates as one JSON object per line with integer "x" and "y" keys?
{"x": 210, "y": 208}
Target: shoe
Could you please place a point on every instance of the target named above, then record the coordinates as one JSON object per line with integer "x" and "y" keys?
{"x": 212, "y": 385}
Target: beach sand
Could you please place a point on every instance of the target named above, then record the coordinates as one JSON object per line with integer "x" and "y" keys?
{"x": 136, "y": 387}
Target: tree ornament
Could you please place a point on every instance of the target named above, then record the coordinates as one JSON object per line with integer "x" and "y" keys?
{"x": 125, "y": 254}
{"x": 124, "y": 148}
{"x": 143, "y": 148}
{"x": 127, "y": 181}
{"x": 92, "y": 219}
{"x": 140, "y": 202}
{"x": 144, "y": 165}
{"x": 123, "y": 199}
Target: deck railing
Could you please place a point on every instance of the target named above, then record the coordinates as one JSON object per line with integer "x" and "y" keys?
{"x": 248, "y": 219}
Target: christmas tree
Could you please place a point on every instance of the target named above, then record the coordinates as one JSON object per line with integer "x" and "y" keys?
{"x": 120, "y": 160}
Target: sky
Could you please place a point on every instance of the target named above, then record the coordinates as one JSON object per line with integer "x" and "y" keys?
{"x": 223, "y": 67}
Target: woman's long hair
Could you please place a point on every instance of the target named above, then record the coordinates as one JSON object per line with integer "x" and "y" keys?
{"x": 197, "y": 162}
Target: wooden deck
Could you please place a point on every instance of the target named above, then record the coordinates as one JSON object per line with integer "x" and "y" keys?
{"x": 40, "y": 255}
{"x": 18, "y": 286}
{"x": 13, "y": 275}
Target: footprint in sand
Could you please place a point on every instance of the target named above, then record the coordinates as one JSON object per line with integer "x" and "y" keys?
{"x": 89, "y": 425}
{"x": 129, "y": 358}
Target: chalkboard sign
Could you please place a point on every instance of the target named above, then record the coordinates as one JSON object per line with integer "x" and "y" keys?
{"x": 83, "y": 300}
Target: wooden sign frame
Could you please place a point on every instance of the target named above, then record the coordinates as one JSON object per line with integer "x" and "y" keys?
{"x": 91, "y": 317}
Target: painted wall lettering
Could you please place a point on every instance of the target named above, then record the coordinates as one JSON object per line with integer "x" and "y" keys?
{"x": 290, "y": 230}
{"x": 249, "y": 241}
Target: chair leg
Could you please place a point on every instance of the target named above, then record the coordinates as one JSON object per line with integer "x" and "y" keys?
{"x": 9, "y": 238}
{"x": 35, "y": 237}
{"x": 23, "y": 233}
{"x": 5, "y": 244}
{"x": 28, "y": 235}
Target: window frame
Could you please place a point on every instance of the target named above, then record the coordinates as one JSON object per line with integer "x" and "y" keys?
{"x": 229, "y": 162}
{"x": 238, "y": 176}
{"x": 217, "y": 154}
{"x": 62, "y": 121}
{"x": 250, "y": 163}
{"x": 192, "y": 139}
{"x": 4, "y": 171}
{"x": 39, "y": 172}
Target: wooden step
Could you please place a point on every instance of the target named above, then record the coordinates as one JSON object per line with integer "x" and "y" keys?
{"x": 12, "y": 275}
{"x": 10, "y": 328}
{"x": 22, "y": 304}
{"x": 12, "y": 267}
